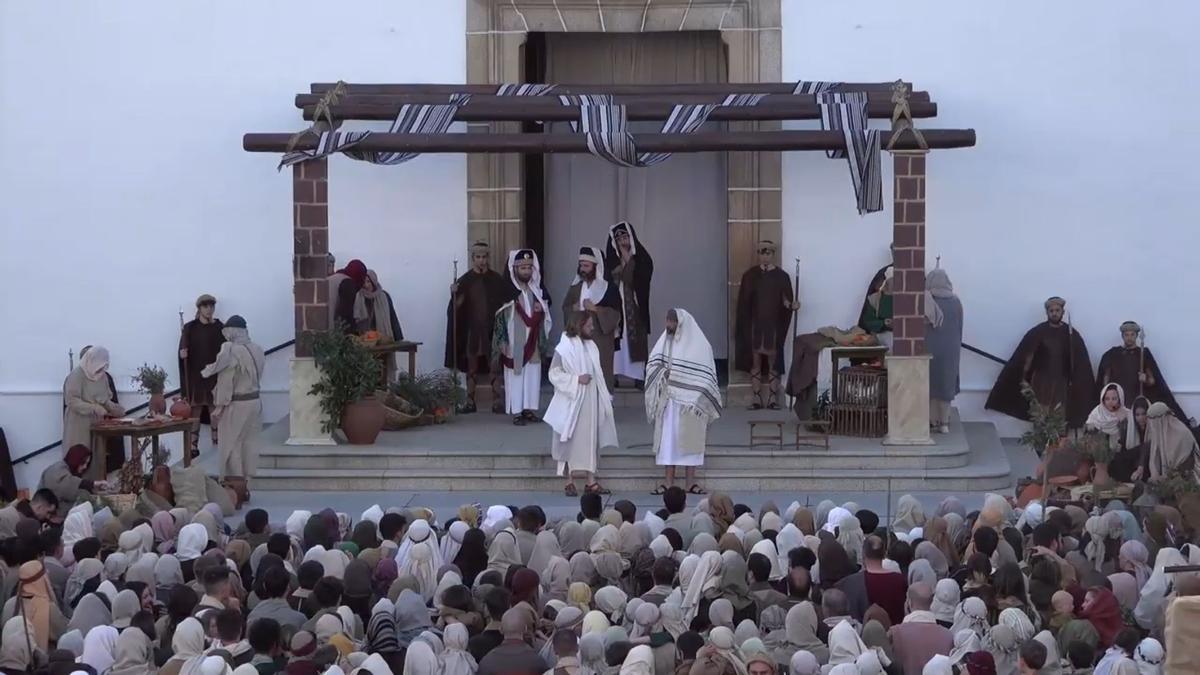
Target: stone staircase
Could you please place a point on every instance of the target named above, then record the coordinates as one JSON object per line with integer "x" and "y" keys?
{"x": 485, "y": 452}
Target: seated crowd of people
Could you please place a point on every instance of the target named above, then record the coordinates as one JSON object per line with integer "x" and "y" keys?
{"x": 716, "y": 589}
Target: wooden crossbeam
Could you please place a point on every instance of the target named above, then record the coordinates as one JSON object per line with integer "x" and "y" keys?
{"x": 755, "y": 141}
{"x": 666, "y": 89}
{"x": 525, "y": 109}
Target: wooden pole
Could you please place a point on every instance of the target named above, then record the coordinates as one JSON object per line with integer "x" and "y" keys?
{"x": 1141, "y": 361}
{"x": 666, "y": 89}
{"x": 811, "y": 139}
{"x": 795, "y": 320}
{"x": 525, "y": 109}
{"x": 454, "y": 326}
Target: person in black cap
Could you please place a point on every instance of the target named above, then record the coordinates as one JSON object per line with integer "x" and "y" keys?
{"x": 238, "y": 369}
{"x": 199, "y": 341}
{"x": 475, "y": 297}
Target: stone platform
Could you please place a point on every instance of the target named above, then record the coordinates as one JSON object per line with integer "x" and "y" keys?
{"x": 487, "y": 452}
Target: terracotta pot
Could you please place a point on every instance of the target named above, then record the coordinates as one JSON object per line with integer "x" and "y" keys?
{"x": 158, "y": 404}
{"x": 363, "y": 420}
{"x": 181, "y": 409}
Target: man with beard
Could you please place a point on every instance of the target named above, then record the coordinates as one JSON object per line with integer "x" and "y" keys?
{"x": 1134, "y": 368}
{"x": 632, "y": 269}
{"x": 1053, "y": 359}
{"x": 581, "y": 413}
{"x": 199, "y": 342}
{"x": 470, "y": 319}
{"x": 592, "y": 292}
{"x": 764, "y": 308}
{"x": 521, "y": 336}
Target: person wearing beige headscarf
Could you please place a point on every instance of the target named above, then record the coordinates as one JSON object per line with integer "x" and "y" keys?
{"x": 1172, "y": 444}
{"x": 87, "y": 397}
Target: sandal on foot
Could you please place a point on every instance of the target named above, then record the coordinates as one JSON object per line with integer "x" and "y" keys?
{"x": 597, "y": 489}
{"x": 660, "y": 490}
{"x": 570, "y": 490}
{"x": 695, "y": 489}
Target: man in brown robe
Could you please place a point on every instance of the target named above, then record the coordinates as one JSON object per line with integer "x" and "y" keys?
{"x": 593, "y": 292}
{"x": 1133, "y": 366}
{"x": 199, "y": 341}
{"x": 632, "y": 270}
{"x": 1053, "y": 359}
{"x": 470, "y": 317}
{"x": 764, "y": 308}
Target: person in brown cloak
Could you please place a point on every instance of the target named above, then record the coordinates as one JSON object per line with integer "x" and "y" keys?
{"x": 632, "y": 269}
{"x": 593, "y": 292}
{"x": 199, "y": 341}
{"x": 89, "y": 394}
{"x": 475, "y": 297}
{"x": 1053, "y": 359}
{"x": 1134, "y": 368}
{"x": 764, "y": 308}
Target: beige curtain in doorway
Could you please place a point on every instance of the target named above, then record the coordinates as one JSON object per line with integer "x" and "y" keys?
{"x": 678, "y": 207}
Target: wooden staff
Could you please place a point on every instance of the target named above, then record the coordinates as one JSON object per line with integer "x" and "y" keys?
{"x": 71, "y": 360}
{"x": 185, "y": 381}
{"x": 1141, "y": 360}
{"x": 454, "y": 320}
{"x": 795, "y": 321}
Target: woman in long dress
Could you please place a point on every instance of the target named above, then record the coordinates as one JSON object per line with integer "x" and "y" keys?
{"x": 943, "y": 339}
{"x": 87, "y": 398}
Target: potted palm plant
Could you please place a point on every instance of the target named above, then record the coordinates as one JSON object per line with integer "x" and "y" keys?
{"x": 349, "y": 375}
{"x": 152, "y": 380}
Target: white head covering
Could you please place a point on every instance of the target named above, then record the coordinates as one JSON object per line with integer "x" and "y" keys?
{"x": 945, "y": 600}
{"x": 1108, "y": 422}
{"x": 495, "y": 515}
{"x": 78, "y": 525}
{"x": 639, "y": 661}
{"x": 456, "y": 660}
{"x": 295, "y": 525}
{"x": 971, "y": 614}
{"x": 419, "y": 564}
{"x": 419, "y": 532}
{"x": 767, "y": 547}
{"x": 94, "y": 363}
{"x": 940, "y": 664}
{"x": 1149, "y": 657}
{"x": 656, "y": 524}
{"x": 804, "y": 663}
{"x": 191, "y": 542}
{"x": 965, "y": 642}
{"x": 834, "y": 518}
{"x": 681, "y": 369}
{"x": 99, "y": 646}
{"x": 373, "y": 514}
{"x": 452, "y": 541}
{"x": 845, "y": 645}
{"x": 420, "y": 660}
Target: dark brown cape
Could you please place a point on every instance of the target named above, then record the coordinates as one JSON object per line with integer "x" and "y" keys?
{"x": 1080, "y": 382}
{"x": 1121, "y": 365}
{"x": 203, "y": 341}
{"x": 746, "y": 320}
{"x": 643, "y": 271}
{"x": 497, "y": 289}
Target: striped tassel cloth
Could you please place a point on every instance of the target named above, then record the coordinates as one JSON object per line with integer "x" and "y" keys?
{"x": 607, "y": 128}
{"x": 525, "y": 89}
{"x": 412, "y": 119}
{"x": 847, "y": 112}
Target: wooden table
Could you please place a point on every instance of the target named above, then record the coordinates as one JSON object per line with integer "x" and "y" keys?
{"x": 383, "y": 351}
{"x": 836, "y": 354}
{"x": 102, "y": 431}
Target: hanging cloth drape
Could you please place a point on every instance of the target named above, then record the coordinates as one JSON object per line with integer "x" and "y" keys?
{"x": 606, "y": 126}
{"x": 525, "y": 89}
{"x": 847, "y": 112}
{"x": 412, "y": 119}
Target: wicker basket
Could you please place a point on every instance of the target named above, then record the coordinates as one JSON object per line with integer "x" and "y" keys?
{"x": 120, "y": 502}
{"x": 859, "y": 421}
{"x": 862, "y": 386}
{"x": 395, "y": 420}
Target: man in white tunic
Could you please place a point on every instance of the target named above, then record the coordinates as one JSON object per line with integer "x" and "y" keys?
{"x": 238, "y": 367}
{"x": 522, "y": 336}
{"x": 682, "y": 397}
{"x": 581, "y": 412}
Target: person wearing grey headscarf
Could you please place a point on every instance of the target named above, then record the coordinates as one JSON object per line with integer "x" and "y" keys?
{"x": 238, "y": 368}
{"x": 943, "y": 339}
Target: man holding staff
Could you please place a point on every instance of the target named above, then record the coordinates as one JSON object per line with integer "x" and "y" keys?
{"x": 1134, "y": 367}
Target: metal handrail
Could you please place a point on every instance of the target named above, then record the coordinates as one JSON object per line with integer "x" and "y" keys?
{"x": 55, "y": 444}
{"x": 984, "y": 354}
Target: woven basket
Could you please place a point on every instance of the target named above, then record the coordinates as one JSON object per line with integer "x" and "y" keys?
{"x": 395, "y": 420}
{"x": 120, "y": 502}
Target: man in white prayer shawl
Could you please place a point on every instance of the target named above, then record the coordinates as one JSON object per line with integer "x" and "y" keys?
{"x": 521, "y": 336}
{"x": 581, "y": 412}
{"x": 239, "y": 368}
{"x": 682, "y": 397}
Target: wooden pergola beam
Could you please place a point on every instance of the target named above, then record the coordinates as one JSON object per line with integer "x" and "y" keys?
{"x": 535, "y": 144}
{"x": 524, "y": 109}
{"x": 665, "y": 89}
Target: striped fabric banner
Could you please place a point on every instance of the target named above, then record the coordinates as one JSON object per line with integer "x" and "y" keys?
{"x": 606, "y": 125}
{"x": 411, "y": 119}
{"x": 847, "y": 112}
{"x": 525, "y": 89}
{"x": 813, "y": 88}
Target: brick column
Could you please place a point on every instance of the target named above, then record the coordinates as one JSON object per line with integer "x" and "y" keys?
{"x": 310, "y": 230}
{"x": 310, "y": 239}
{"x": 908, "y": 363}
{"x": 908, "y": 237}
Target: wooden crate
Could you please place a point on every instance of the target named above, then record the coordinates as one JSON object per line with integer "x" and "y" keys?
{"x": 861, "y": 421}
{"x": 861, "y": 387}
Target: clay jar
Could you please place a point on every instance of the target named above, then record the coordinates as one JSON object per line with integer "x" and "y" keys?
{"x": 180, "y": 408}
{"x": 363, "y": 420}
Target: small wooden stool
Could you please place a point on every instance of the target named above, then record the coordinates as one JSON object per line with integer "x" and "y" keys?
{"x": 776, "y": 437}
{"x": 817, "y": 437}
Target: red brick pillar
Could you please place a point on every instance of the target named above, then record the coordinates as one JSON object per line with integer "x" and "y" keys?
{"x": 310, "y": 229}
{"x": 908, "y": 237}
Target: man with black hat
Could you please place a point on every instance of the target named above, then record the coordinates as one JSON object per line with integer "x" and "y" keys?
{"x": 475, "y": 297}
{"x": 521, "y": 336}
{"x": 238, "y": 368}
{"x": 764, "y": 309}
{"x": 199, "y": 341}
{"x": 592, "y": 292}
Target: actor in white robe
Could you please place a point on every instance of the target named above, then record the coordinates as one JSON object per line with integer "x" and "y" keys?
{"x": 521, "y": 336}
{"x": 239, "y": 368}
{"x": 581, "y": 412}
{"x": 682, "y": 396}
{"x": 87, "y": 398}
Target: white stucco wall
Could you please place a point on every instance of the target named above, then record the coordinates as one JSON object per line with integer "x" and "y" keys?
{"x": 126, "y": 192}
{"x": 1082, "y": 184}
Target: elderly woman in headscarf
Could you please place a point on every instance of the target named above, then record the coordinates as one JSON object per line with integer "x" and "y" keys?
{"x": 909, "y": 514}
{"x": 87, "y": 397}
{"x": 850, "y": 535}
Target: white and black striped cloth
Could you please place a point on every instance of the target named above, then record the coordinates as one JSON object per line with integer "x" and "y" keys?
{"x": 606, "y": 126}
{"x": 413, "y": 118}
{"x": 525, "y": 89}
{"x": 847, "y": 112}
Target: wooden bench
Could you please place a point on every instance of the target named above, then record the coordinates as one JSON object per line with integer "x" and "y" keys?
{"x": 774, "y": 436}
{"x": 818, "y": 437}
